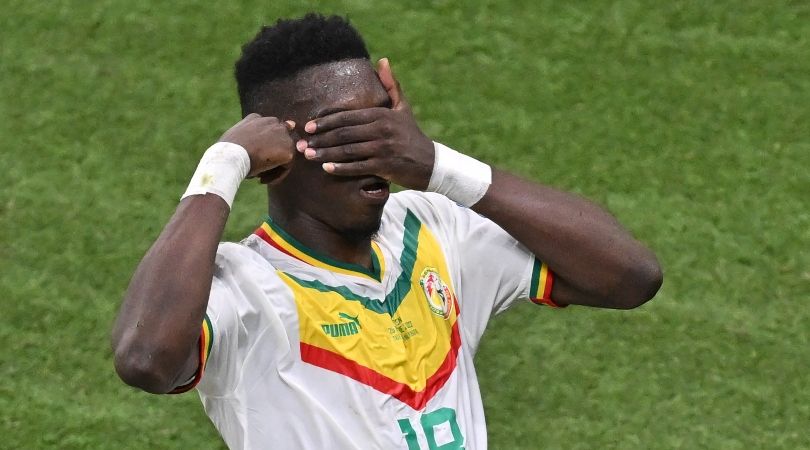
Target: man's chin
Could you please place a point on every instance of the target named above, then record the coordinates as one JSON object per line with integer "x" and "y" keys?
{"x": 364, "y": 227}
{"x": 362, "y": 232}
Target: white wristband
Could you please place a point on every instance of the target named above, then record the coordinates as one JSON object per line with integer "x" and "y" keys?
{"x": 220, "y": 171}
{"x": 459, "y": 177}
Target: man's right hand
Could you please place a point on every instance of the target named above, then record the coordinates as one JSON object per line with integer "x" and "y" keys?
{"x": 268, "y": 143}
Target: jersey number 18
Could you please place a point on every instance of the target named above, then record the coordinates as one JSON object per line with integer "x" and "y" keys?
{"x": 429, "y": 422}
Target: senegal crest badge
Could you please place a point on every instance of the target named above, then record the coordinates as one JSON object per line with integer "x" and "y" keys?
{"x": 439, "y": 297}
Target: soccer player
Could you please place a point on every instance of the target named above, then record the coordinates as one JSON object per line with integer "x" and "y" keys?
{"x": 350, "y": 317}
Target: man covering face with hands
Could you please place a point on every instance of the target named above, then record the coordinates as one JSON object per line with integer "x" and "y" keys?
{"x": 351, "y": 316}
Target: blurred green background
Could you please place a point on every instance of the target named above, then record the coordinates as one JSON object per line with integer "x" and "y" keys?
{"x": 688, "y": 120}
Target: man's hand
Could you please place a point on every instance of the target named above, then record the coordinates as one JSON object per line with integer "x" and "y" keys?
{"x": 268, "y": 144}
{"x": 385, "y": 142}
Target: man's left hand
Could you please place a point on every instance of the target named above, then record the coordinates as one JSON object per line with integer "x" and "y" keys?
{"x": 385, "y": 142}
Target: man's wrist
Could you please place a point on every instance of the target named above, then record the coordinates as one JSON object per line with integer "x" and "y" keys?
{"x": 220, "y": 171}
{"x": 459, "y": 177}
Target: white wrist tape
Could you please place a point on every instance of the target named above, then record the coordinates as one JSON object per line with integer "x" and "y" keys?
{"x": 220, "y": 171}
{"x": 459, "y": 177}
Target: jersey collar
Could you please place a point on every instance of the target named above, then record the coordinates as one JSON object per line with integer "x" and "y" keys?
{"x": 282, "y": 241}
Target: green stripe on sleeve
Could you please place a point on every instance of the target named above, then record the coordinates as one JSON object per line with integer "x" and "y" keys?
{"x": 535, "y": 278}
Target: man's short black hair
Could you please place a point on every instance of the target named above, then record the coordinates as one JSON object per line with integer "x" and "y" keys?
{"x": 290, "y": 46}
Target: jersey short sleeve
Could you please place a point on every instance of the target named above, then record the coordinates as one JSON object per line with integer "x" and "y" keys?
{"x": 218, "y": 343}
{"x": 223, "y": 337}
{"x": 203, "y": 349}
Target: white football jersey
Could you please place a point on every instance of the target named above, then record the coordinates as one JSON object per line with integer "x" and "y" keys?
{"x": 300, "y": 351}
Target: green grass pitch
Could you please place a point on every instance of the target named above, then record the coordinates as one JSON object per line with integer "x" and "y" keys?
{"x": 689, "y": 120}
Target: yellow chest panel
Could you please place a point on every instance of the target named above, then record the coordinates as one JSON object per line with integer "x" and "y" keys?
{"x": 404, "y": 344}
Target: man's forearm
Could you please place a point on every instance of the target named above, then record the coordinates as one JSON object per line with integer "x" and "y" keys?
{"x": 158, "y": 325}
{"x": 160, "y": 320}
{"x": 596, "y": 261}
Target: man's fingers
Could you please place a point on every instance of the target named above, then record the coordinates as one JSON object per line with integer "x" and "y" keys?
{"x": 345, "y": 135}
{"x": 390, "y": 83}
{"x": 343, "y": 153}
{"x": 264, "y": 120}
{"x": 350, "y": 169}
{"x": 275, "y": 175}
{"x": 344, "y": 119}
{"x": 270, "y": 120}
{"x": 257, "y": 119}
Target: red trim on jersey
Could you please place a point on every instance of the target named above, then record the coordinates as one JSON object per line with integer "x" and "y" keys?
{"x": 266, "y": 238}
{"x": 329, "y": 360}
{"x": 545, "y": 296}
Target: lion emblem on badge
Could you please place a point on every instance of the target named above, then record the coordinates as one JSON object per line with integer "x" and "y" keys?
{"x": 440, "y": 298}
